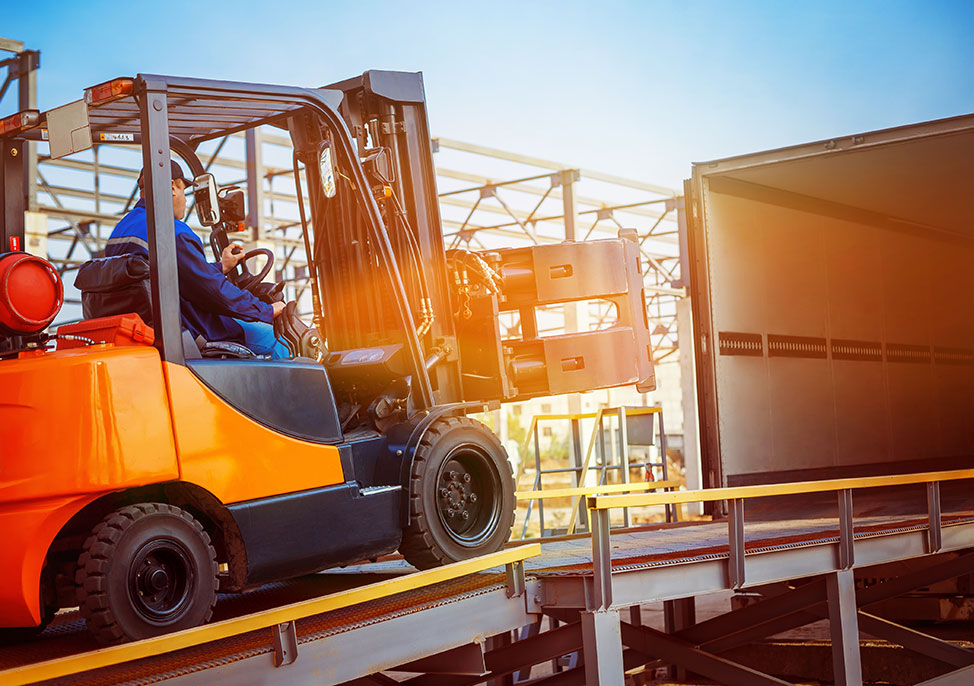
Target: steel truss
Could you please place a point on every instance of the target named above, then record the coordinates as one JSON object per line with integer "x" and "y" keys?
{"x": 82, "y": 197}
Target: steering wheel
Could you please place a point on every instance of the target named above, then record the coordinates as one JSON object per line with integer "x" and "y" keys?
{"x": 242, "y": 277}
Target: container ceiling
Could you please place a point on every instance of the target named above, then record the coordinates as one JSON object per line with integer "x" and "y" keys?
{"x": 922, "y": 174}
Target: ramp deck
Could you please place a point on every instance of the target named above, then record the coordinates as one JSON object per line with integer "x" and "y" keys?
{"x": 346, "y": 625}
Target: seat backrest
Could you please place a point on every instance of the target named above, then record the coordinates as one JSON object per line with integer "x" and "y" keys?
{"x": 115, "y": 285}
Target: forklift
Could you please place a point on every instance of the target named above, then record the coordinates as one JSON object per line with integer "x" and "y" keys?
{"x": 145, "y": 470}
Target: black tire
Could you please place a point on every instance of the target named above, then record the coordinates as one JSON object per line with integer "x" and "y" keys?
{"x": 120, "y": 600}
{"x": 457, "y": 458}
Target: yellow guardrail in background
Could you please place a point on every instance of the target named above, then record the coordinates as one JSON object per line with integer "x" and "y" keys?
{"x": 600, "y": 505}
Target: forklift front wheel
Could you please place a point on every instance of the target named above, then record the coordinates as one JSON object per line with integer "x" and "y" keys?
{"x": 461, "y": 495}
{"x": 146, "y": 570}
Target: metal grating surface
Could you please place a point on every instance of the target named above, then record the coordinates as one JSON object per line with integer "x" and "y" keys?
{"x": 707, "y": 541}
{"x": 155, "y": 669}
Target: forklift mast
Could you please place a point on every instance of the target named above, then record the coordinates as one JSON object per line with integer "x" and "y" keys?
{"x": 457, "y": 298}
{"x": 386, "y": 115}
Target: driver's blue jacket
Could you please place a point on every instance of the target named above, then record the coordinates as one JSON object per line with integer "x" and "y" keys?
{"x": 208, "y": 301}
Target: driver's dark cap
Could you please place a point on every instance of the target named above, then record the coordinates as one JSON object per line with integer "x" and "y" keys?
{"x": 177, "y": 173}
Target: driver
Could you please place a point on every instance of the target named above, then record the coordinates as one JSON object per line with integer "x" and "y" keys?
{"x": 211, "y": 306}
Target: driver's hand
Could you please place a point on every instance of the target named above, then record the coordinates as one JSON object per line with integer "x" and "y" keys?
{"x": 278, "y": 308}
{"x": 232, "y": 255}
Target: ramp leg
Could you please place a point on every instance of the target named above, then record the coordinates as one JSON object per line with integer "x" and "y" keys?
{"x": 843, "y": 624}
{"x": 678, "y": 615}
{"x": 602, "y": 645}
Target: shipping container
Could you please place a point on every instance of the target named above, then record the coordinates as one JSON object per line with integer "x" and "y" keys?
{"x": 832, "y": 286}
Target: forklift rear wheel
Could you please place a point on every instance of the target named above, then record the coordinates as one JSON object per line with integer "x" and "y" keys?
{"x": 461, "y": 495}
{"x": 146, "y": 570}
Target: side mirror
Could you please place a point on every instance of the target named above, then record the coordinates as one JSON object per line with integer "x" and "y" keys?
{"x": 233, "y": 204}
{"x": 207, "y": 200}
{"x": 378, "y": 165}
{"x": 327, "y": 170}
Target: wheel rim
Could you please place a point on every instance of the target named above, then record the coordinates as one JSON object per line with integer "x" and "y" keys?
{"x": 468, "y": 487}
{"x": 161, "y": 581}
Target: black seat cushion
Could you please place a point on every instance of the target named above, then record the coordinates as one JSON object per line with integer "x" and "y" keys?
{"x": 119, "y": 285}
{"x": 226, "y": 350}
{"x": 115, "y": 285}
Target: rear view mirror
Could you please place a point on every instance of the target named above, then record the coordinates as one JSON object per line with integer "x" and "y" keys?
{"x": 233, "y": 204}
{"x": 378, "y": 165}
{"x": 327, "y": 170}
{"x": 207, "y": 200}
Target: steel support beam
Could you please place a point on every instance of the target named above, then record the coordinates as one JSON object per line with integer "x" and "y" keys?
{"x": 678, "y": 615}
{"x": 841, "y": 591}
{"x": 602, "y": 648}
{"x": 960, "y": 677}
{"x": 161, "y": 223}
{"x": 915, "y": 640}
{"x": 677, "y": 651}
{"x": 509, "y": 658}
{"x": 27, "y": 64}
{"x": 255, "y": 182}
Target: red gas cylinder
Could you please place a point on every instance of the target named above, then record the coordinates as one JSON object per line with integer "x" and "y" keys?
{"x": 31, "y": 293}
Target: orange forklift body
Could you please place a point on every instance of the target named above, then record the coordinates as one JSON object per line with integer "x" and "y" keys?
{"x": 121, "y": 418}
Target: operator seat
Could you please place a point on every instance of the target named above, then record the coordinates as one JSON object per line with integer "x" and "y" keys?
{"x": 119, "y": 285}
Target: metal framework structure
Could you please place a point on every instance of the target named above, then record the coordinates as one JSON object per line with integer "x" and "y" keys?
{"x": 84, "y": 196}
{"x": 473, "y": 622}
{"x": 489, "y": 198}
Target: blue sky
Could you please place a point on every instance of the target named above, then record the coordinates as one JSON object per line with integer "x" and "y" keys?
{"x": 640, "y": 89}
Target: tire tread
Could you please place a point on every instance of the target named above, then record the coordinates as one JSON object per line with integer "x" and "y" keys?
{"x": 93, "y": 564}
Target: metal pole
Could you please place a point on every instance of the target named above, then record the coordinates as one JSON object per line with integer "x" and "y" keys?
{"x": 579, "y": 473}
{"x": 601, "y": 560}
{"x": 537, "y": 465}
{"x": 97, "y": 192}
{"x": 255, "y": 183}
{"x": 624, "y": 454}
{"x": 161, "y": 223}
{"x": 935, "y": 539}
{"x": 735, "y": 540}
{"x": 847, "y": 548}
{"x": 846, "y": 664}
{"x": 27, "y": 64}
{"x": 602, "y": 645}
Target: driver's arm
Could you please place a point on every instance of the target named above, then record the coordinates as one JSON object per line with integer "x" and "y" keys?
{"x": 203, "y": 284}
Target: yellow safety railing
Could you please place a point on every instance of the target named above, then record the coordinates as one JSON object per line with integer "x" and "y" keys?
{"x": 600, "y": 505}
{"x": 512, "y": 558}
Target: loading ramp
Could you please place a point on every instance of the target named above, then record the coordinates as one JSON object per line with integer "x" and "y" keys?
{"x": 453, "y": 625}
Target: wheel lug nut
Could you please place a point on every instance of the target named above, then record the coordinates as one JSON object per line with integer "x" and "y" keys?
{"x": 472, "y": 497}
{"x": 443, "y": 492}
{"x": 465, "y": 514}
{"x": 466, "y": 477}
{"x": 452, "y": 474}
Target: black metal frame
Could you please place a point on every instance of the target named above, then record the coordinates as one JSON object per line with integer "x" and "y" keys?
{"x": 16, "y": 164}
{"x": 177, "y": 114}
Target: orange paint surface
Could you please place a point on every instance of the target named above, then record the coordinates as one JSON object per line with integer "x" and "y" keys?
{"x": 76, "y": 422}
{"x": 234, "y": 457}
{"x": 29, "y": 527}
{"x": 74, "y": 425}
